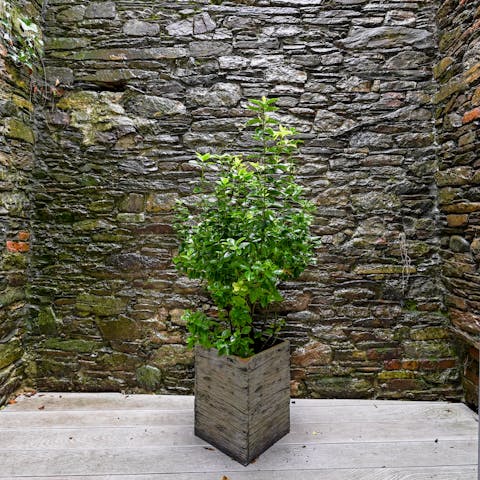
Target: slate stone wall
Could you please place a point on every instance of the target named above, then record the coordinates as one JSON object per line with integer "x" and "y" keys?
{"x": 16, "y": 163}
{"x": 458, "y": 119}
{"x": 145, "y": 84}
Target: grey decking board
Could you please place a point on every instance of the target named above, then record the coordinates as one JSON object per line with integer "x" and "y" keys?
{"x": 102, "y": 401}
{"x": 198, "y": 459}
{"x": 118, "y": 401}
{"x": 145, "y": 436}
{"x": 299, "y": 414}
{"x": 385, "y": 434}
{"x": 430, "y": 473}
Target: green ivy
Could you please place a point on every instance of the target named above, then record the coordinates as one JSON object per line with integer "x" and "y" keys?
{"x": 249, "y": 231}
{"x": 21, "y": 36}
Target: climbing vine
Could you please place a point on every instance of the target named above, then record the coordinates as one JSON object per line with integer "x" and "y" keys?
{"x": 21, "y": 37}
{"x": 21, "y": 42}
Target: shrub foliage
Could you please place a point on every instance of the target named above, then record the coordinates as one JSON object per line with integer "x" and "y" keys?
{"x": 249, "y": 231}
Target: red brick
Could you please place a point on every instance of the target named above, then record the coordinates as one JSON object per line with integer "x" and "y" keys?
{"x": 410, "y": 365}
{"x": 393, "y": 365}
{"x": 471, "y": 115}
{"x": 473, "y": 352}
{"x": 472, "y": 374}
{"x": 17, "y": 246}
{"x": 23, "y": 236}
{"x": 442, "y": 364}
{"x": 466, "y": 321}
{"x": 314, "y": 353}
{"x": 457, "y": 220}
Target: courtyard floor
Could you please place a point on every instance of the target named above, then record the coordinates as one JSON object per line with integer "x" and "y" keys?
{"x": 139, "y": 437}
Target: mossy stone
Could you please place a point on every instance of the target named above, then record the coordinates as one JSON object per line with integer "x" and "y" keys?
{"x": 12, "y": 261}
{"x": 89, "y": 225}
{"x": 46, "y": 321}
{"x": 110, "y": 76}
{"x": 149, "y": 377}
{"x": 75, "y": 345}
{"x": 11, "y": 295}
{"x": 441, "y": 66}
{"x": 102, "y": 206}
{"x": 390, "y": 374}
{"x": 132, "y": 203}
{"x": 77, "y": 100}
{"x": 459, "y": 244}
{"x": 454, "y": 177}
{"x": 71, "y": 14}
{"x": 118, "y": 361}
{"x": 383, "y": 269}
{"x": 103, "y": 306}
{"x": 429, "y": 333}
{"x": 161, "y": 202}
{"x": 22, "y": 103}
{"x": 121, "y": 328}
{"x": 448, "y": 90}
{"x": 448, "y": 195}
{"x": 449, "y": 37}
{"x": 172, "y": 355}
{"x": 68, "y": 43}
{"x": 10, "y": 353}
{"x": 131, "y": 217}
{"x": 402, "y": 333}
{"x": 19, "y": 130}
{"x": 340, "y": 387}
{"x": 429, "y": 349}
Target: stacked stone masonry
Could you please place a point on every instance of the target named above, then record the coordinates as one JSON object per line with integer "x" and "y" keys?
{"x": 457, "y": 114}
{"x": 16, "y": 164}
{"x": 141, "y": 85}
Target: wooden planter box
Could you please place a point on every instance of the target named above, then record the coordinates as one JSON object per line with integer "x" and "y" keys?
{"x": 242, "y": 406}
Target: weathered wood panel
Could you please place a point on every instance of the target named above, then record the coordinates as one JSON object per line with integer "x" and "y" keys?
{"x": 101, "y": 401}
{"x": 372, "y": 412}
{"x": 64, "y": 436}
{"x": 99, "y": 461}
{"x": 117, "y": 401}
{"x": 389, "y": 441}
{"x": 423, "y": 473}
{"x": 242, "y": 405}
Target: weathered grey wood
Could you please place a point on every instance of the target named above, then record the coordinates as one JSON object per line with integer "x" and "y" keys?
{"x": 389, "y": 441}
{"x": 199, "y": 459}
{"x": 95, "y": 418}
{"x": 66, "y": 437}
{"x": 380, "y": 412}
{"x": 242, "y": 405}
{"x": 325, "y": 402}
{"x": 423, "y": 473}
{"x": 102, "y": 401}
{"x": 369, "y": 414}
{"x": 119, "y": 401}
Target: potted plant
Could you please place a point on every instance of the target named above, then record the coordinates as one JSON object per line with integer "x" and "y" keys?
{"x": 248, "y": 232}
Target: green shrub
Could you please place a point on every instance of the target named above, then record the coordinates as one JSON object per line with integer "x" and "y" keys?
{"x": 249, "y": 231}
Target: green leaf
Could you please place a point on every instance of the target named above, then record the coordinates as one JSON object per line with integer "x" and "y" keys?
{"x": 247, "y": 231}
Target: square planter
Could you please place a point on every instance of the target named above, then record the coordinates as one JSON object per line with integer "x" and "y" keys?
{"x": 242, "y": 405}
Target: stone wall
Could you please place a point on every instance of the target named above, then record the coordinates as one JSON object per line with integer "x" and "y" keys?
{"x": 141, "y": 86}
{"x": 458, "y": 119}
{"x": 16, "y": 163}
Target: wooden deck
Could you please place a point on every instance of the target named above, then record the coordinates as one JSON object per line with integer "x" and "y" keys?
{"x": 142, "y": 437}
